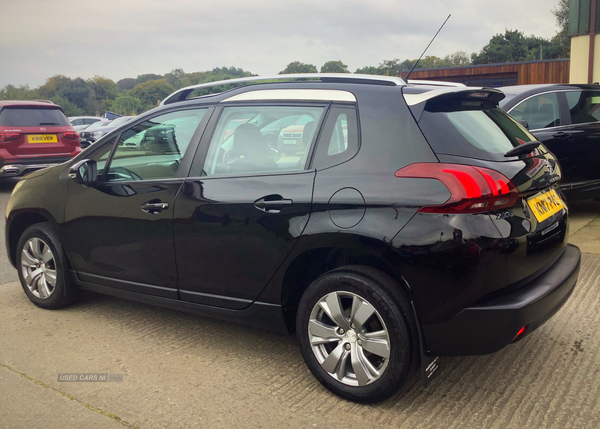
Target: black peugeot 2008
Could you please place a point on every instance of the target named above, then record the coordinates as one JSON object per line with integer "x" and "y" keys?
{"x": 415, "y": 222}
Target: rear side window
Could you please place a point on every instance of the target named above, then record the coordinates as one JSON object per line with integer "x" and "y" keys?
{"x": 33, "y": 117}
{"x": 584, "y": 106}
{"x": 484, "y": 134}
{"x": 540, "y": 111}
{"x": 339, "y": 140}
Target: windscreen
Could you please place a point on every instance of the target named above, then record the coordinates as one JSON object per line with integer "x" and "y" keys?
{"x": 483, "y": 134}
{"x": 33, "y": 117}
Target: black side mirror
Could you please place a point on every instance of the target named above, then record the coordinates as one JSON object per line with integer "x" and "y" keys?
{"x": 84, "y": 172}
{"x": 524, "y": 124}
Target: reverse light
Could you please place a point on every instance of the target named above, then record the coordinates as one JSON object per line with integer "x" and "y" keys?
{"x": 472, "y": 189}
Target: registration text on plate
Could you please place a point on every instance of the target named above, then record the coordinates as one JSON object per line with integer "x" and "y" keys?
{"x": 545, "y": 205}
{"x": 42, "y": 138}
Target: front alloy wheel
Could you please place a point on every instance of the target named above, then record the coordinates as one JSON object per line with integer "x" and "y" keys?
{"x": 38, "y": 267}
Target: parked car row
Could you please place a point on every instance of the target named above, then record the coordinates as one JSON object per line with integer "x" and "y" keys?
{"x": 403, "y": 222}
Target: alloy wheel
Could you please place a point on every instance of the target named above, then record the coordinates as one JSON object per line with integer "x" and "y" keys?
{"x": 38, "y": 267}
{"x": 349, "y": 338}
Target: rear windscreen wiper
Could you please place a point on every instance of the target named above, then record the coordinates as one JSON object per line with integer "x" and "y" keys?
{"x": 49, "y": 123}
{"x": 523, "y": 149}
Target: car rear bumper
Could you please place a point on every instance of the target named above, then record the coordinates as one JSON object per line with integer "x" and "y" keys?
{"x": 15, "y": 168}
{"x": 489, "y": 326}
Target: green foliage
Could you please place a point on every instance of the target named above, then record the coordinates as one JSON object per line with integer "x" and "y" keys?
{"x": 22, "y": 92}
{"x": 334, "y": 67}
{"x": 562, "y": 39}
{"x": 126, "y": 105}
{"x": 69, "y": 108}
{"x": 513, "y": 46}
{"x": 126, "y": 84}
{"x": 147, "y": 77}
{"x": 77, "y": 91}
{"x": 151, "y": 92}
{"x": 298, "y": 67}
{"x": 103, "y": 88}
{"x": 367, "y": 70}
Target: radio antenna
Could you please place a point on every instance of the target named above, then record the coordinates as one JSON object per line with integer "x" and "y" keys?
{"x": 438, "y": 32}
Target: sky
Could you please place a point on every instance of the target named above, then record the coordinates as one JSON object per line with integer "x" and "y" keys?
{"x": 126, "y": 38}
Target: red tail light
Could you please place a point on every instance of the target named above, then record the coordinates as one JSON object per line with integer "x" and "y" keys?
{"x": 472, "y": 189}
{"x": 5, "y": 137}
{"x": 72, "y": 136}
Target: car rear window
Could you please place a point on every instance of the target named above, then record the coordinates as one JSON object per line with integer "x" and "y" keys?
{"x": 484, "y": 134}
{"x": 33, "y": 117}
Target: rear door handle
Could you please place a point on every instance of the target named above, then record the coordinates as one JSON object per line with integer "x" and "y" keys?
{"x": 272, "y": 203}
{"x": 154, "y": 207}
{"x": 561, "y": 135}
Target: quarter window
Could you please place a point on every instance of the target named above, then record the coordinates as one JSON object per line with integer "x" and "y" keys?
{"x": 154, "y": 148}
{"x": 248, "y": 141}
{"x": 339, "y": 141}
{"x": 584, "y": 106}
{"x": 540, "y": 111}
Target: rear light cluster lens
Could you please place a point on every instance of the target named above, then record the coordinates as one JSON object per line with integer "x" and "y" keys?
{"x": 6, "y": 137}
{"x": 472, "y": 189}
{"x": 72, "y": 136}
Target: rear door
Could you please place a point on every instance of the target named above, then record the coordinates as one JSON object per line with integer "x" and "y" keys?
{"x": 243, "y": 207}
{"x": 38, "y": 131}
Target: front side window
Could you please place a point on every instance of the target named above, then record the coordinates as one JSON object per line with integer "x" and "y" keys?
{"x": 245, "y": 140}
{"x": 154, "y": 148}
{"x": 584, "y": 106}
{"x": 540, "y": 111}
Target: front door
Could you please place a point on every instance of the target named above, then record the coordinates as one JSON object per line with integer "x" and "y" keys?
{"x": 120, "y": 232}
{"x": 245, "y": 204}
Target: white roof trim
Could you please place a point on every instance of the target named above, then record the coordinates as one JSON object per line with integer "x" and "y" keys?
{"x": 413, "y": 99}
{"x": 294, "y": 94}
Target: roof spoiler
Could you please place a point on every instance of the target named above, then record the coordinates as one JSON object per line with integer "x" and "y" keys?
{"x": 453, "y": 99}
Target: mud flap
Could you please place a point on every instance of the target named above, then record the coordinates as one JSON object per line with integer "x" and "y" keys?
{"x": 429, "y": 364}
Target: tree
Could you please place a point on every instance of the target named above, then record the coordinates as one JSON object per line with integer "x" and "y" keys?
{"x": 151, "y": 92}
{"x": 127, "y": 105}
{"x": 76, "y": 91}
{"x": 126, "y": 84}
{"x": 458, "y": 59}
{"x": 513, "y": 46}
{"x": 562, "y": 39}
{"x": 298, "y": 67}
{"x": 367, "y": 70}
{"x": 69, "y": 108}
{"x": 334, "y": 67}
{"x": 103, "y": 88}
{"x": 147, "y": 77}
{"x": 22, "y": 92}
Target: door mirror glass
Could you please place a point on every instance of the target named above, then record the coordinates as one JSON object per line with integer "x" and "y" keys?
{"x": 84, "y": 172}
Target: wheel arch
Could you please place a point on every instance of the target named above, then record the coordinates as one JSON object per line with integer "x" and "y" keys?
{"x": 312, "y": 263}
{"x": 17, "y": 225}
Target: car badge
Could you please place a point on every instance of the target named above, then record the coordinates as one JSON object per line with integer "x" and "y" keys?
{"x": 42, "y": 129}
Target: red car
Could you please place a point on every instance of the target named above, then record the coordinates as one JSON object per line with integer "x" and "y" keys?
{"x": 34, "y": 135}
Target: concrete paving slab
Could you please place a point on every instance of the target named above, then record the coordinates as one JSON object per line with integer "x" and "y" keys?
{"x": 183, "y": 371}
{"x": 26, "y": 403}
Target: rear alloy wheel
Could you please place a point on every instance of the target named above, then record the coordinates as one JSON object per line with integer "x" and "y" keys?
{"x": 357, "y": 333}
{"x": 42, "y": 268}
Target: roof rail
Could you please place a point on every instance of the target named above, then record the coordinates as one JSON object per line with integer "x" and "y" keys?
{"x": 182, "y": 94}
{"x": 434, "y": 83}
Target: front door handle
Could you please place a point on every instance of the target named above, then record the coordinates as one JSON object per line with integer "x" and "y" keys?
{"x": 560, "y": 135}
{"x": 272, "y": 203}
{"x": 154, "y": 207}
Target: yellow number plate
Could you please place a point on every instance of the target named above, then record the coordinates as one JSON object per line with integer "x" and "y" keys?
{"x": 545, "y": 205}
{"x": 42, "y": 138}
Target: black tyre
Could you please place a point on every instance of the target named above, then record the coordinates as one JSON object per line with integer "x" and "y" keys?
{"x": 42, "y": 268}
{"x": 357, "y": 333}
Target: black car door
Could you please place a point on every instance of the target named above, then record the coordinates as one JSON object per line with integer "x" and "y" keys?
{"x": 244, "y": 205}
{"x": 548, "y": 120}
{"x": 120, "y": 232}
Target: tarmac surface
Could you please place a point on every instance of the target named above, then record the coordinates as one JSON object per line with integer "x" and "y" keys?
{"x": 183, "y": 371}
